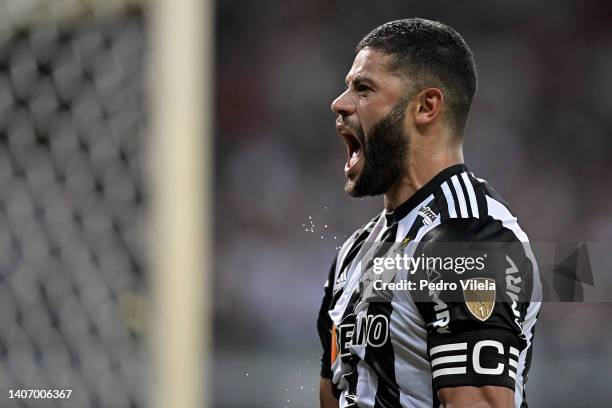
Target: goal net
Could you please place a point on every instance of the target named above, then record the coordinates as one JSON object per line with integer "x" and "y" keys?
{"x": 72, "y": 268}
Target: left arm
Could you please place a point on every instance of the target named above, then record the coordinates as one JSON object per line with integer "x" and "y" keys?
{"x": 475, "y": 335}
{"x": 327, "y": 396}
{"x": 476, "y": 397}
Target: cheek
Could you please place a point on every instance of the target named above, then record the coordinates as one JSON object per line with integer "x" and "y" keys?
{"x": 366, "y": 126}
{"x": 366, "y": 120}
{"x": 371, "y": 112}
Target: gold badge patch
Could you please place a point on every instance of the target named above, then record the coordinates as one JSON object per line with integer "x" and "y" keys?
{"x": 479, "y": 296}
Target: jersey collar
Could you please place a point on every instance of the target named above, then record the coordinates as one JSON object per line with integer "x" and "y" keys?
{"x": 421, "y": 194}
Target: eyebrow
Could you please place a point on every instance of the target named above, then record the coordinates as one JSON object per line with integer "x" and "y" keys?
{"x": 359, "y": 79}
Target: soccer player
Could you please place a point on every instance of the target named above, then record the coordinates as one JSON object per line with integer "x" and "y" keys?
{"x": 403, "y": 116}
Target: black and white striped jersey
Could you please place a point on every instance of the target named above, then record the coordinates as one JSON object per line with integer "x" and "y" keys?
{"x": 396, "y": 347}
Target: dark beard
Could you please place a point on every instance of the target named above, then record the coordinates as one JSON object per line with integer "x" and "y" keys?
{"x": 384, "y": 150}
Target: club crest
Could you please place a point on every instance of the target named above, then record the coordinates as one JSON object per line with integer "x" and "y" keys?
{"x": 479, "y": 296}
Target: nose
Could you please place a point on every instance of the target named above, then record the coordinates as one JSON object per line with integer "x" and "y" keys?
{"x": 343, "y": 105}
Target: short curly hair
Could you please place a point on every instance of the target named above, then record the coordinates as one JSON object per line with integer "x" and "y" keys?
{"x": 431, "y": 54}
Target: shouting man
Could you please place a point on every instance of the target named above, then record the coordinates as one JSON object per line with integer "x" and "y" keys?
{"x": 403, "y": 116}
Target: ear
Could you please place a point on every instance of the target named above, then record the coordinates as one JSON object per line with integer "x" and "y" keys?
{"x": 429, "y": 104}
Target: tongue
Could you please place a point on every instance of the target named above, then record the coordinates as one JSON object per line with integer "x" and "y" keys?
{"x": 354, "y": 158}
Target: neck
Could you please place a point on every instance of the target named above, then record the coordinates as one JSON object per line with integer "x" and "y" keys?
{"x": 417, "y": 172}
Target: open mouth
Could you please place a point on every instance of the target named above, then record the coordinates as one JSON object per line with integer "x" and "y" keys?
{"x": 353, "y": 148}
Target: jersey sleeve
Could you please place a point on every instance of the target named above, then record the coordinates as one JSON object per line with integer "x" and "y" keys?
{"x": 474, "y": 329}
{"x": 324, "y": 323}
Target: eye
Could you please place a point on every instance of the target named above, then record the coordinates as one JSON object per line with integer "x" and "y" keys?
{"x": 363, "y": 89}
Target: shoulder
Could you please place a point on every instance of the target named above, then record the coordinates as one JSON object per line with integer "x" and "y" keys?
{"x": 470, "y": 210}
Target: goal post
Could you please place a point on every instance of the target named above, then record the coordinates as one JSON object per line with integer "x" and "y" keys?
{"x": 180, "y": 165}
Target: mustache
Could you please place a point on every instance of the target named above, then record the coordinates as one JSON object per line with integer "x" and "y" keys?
{"x": 357, "y": 131}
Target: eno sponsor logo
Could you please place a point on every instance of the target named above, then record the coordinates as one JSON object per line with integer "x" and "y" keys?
{"x": 370, "y": 330}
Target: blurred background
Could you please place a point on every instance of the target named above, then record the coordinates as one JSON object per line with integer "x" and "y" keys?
{"x": 73, "y": 135}
{"x": 72, "y": 139}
